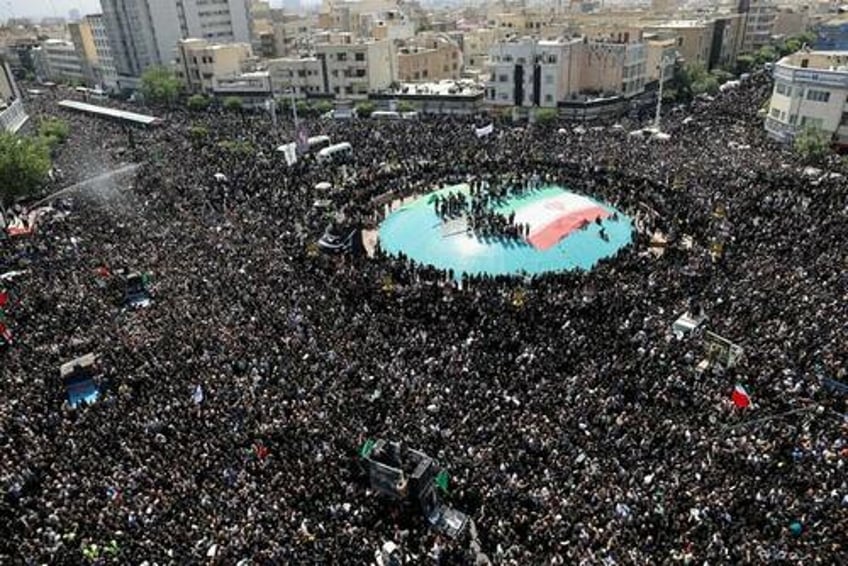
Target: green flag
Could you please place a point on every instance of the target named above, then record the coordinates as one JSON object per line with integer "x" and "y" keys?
{"x": 442, "y": 480}
{"x": 366, "y": 449}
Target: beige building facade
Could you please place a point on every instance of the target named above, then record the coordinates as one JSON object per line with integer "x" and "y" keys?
{"x": 199, "y": 62}
{"x": 810, "y": 91}
{"x": 429, "y": 57}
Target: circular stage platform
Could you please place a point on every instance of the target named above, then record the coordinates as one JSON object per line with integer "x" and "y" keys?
{"x": 562, "y": 231}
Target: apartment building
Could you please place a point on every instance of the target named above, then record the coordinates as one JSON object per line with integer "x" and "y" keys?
{"x": 353, "y": 68}
{"x": 611, "y": 68}
{"x": 475, "y": 47}
{"x": 105, "y": 74}
{"x": 429, "y": 57}
{"x": 143, "y": 33}
{"x": 694, "y": 38}
{"x": 302, "y": 76}
{"x": 12, "y": 113}
{"x": 62, "y": 62}
{"x": 253, "y": 88}
{"x": 531, "y": 72}
{"x": 660, "y": 57}
{"x": 83, "y": 40}
{"x": 291, "y": 33}
{"x": 759, "y": 27}
{"x": 391, "y": 24}
{"x": 199, "y": 63}
{"x": 810, "y": 91}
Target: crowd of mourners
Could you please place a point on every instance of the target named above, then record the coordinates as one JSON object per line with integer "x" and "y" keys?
{"x": 576, "y": 428}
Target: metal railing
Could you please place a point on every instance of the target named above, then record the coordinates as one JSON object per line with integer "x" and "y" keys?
{"x": 13, "y": 117}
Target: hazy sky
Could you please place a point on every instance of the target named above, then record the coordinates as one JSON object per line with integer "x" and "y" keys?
{"x": 41, "y": 8}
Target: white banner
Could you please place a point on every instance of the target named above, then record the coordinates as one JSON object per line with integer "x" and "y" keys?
{"x": 484, "y": 131}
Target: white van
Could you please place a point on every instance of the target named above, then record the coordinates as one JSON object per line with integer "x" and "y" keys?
{"x": 335, "y": 151}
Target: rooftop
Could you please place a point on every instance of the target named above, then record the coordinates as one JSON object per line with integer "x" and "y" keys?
{"x": 822, "y": 60}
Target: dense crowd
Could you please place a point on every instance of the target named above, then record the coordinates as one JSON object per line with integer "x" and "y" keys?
{"x": 575, "y": 427}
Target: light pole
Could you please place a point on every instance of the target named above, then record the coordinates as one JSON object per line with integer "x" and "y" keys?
{"x": 664, "y": 62}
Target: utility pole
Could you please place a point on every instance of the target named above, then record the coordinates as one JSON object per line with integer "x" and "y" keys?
{"x": 664, "y": 61}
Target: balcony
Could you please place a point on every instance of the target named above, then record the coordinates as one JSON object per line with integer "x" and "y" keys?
{"x": 13, "y": 117}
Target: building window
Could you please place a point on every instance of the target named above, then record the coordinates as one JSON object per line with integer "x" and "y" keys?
{"x": 341, "y": 57}
{"x": 775, "y": 113}
{"x": 503, "y": 78}
{"x": 359, "y": 57}
{"x": 793, "y": 119}
{"x": 818, "y": 95}
{"x": 549, "y": 98}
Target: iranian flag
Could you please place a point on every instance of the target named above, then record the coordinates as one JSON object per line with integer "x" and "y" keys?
{"x": 555, "y": 217}
{"x": 740, "y": 397}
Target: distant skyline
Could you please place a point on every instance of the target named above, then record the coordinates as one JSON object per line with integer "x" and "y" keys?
{"x": 37, "y": 9}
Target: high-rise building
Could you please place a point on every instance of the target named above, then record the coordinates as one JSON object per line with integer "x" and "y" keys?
{"x": 143, "y": 33}
{"x": 12, "y": 113}
{"x": 104, "y": 70}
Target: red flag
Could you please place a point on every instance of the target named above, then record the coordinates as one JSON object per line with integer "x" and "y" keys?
{"x": 261, "y": 451}
{"x": 103, "y": 271}
{"x": 740, "y": 397}
{"x": 4, "y": 298}
{"x": 5, "y": 333}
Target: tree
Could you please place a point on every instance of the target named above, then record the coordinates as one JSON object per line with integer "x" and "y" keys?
{"x": 53, "y": 131}
{"x": 24, "y": 165}
{"x": 365, "y": 109}
{"x": 812, "y": 144}
{"x": 722, "y": 76}
{"x": 322, "y": 107}
{"x": 705, "y": 85}
{"x": 766, "y": 54}
{"x": 233, "y": 103}
{"x": 546, "y": 115}
{"x": 744, "y": 64}
{"x": 405, "y": 106}
{"x": 303, "y": 109}
{"x": 198, "y": 132}
{"x": 159, "y": 85}
{"x": 197, "y": 102}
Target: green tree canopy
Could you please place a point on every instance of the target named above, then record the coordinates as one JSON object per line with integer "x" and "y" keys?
{"x": 53, "y": 131}
{"x": 233, "y": 103}
{"x": 158, "y": 84}
{"x": 365, "y": 109}
{"x": 323, "y": 106}
{"x": 197, "y": 102}
{"x": 812, "y": 144}
{"x": 405, "y": 106}
{"x": 24, "y": 165}
{"x": 744, "y": 64}
{"x": 546, "y": 115}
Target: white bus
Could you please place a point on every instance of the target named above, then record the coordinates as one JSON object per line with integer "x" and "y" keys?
{"x": 336, "y": 151}
{"x": 318, "y": 142}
